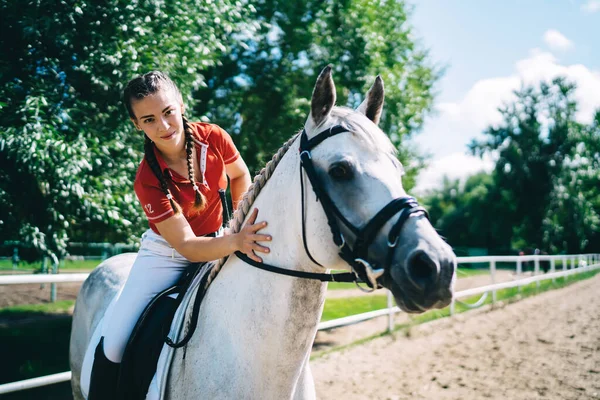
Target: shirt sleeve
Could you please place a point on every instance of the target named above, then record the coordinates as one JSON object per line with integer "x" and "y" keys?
{"x": 154, "y": 202}
{"x": 224, "y": 144}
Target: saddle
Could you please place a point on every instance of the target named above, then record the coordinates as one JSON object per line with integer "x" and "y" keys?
{"x": 148, "y": 337}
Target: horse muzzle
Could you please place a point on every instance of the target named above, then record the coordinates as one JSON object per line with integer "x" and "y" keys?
{"x": 423, "y": 281}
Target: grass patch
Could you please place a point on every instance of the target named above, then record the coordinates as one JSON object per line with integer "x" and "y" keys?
{"x": 338, "y": 308}
{"x": 460, "y": 273}
{"x": 513, "y": 294}
{"x": 37, "y": 348}
{"x": 6, "y": 265}
{"x": 79, "y": 264}
{"x": 57, "y": 307}
{"x": 468, "y": 272}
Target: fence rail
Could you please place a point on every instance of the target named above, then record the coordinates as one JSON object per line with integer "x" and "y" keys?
{"x": 585, "y": 262}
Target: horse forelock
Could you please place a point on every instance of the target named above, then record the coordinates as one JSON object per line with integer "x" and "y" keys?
{"x": 358, "y": 124}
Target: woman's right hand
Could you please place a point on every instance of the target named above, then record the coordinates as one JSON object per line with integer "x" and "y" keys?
{"x": 247, "y": 238}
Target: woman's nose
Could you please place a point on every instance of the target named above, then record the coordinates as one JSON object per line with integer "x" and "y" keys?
{"x": 163, "y": 124}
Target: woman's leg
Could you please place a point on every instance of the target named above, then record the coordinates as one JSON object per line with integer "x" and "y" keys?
{"x": 152, "y": 272}
{"x": 156, "y": 268}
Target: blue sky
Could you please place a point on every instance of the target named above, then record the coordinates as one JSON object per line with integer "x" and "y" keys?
{"x": 490, "y": 48}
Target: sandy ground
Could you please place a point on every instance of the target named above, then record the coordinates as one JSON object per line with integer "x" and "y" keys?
{"x": 543, "y": 347}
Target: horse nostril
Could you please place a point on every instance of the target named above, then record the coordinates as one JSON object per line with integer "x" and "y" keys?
{"x": 423, "y": 272}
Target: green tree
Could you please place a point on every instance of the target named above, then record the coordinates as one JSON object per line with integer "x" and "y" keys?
{"x": 531, "y": 143}
{"x": 473, "y": 214}
{"x": 572, "y": 220}
{"x": 69, "y": 152}
{"x": 261, "y": 90}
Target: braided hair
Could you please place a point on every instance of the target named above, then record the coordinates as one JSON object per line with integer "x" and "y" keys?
{"x": 140, "y": 88}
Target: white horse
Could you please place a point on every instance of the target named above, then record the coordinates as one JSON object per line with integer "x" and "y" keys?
{"x": 256, "y": 328}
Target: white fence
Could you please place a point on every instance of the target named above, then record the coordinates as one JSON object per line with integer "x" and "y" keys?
{"x": 578, "y": 263}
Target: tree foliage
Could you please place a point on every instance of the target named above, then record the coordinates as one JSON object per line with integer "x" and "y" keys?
{"x": 472, "y": 214}
{"x": 265, "y": 84}
{"x": 68, "y": 152}
{"x": 544, "y": 189}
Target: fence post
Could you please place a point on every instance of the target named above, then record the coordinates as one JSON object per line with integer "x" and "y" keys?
{"x": 44, "y": 270}
{"x": 53, "y": 285}
{"x": 390, "y": 313}
{"x": 519, "y": 271}
{"x": 15, "y": 258}
{"x": 493, "y": 276}
{"x": 553, "y": 269}
{"x": 536, "y": 269}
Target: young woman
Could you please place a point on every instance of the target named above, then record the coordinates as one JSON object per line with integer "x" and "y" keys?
{"x": 177, "y": 183}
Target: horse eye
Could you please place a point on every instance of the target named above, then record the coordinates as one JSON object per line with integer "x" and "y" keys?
{"x": 341, "y": 171}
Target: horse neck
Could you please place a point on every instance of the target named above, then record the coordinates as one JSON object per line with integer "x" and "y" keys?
{"x": 274, "y": 317}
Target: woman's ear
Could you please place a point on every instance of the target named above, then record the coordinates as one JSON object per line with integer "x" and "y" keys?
{"x": 134, "y": 121}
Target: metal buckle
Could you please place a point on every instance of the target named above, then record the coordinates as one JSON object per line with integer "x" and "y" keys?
{"x": 392, "y": 245}
{"x": 343, "y": 242}
{"x": 307, "y": 153}
{"x": 372, "y": 274}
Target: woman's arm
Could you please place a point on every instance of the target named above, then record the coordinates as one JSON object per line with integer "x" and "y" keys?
{"x": 239, "y": 178}
{"x": 178, "y": 233}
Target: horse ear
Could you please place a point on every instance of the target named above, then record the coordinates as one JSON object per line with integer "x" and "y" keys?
{"x": 323, "y": 97}
{"x": 373, "y": 103}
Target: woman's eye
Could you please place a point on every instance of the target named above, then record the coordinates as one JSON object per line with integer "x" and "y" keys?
{"x": 169, "y": 112}
{"x": 341, "y": 171}
{"x": 148, "y": 121}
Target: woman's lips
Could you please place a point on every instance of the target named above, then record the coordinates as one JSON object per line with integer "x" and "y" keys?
{"x": 169, "y": 136}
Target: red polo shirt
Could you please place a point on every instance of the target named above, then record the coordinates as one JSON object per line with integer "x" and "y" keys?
{"x": 215, "y": 149}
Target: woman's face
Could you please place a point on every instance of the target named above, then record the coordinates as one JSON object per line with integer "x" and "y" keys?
{"x": 160, "y": 117}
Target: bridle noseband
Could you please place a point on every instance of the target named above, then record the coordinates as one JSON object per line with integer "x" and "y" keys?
{"x": 355, "y": 257}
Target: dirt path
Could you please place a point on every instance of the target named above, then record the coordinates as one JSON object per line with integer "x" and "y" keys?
{"x": 544, "y": 347}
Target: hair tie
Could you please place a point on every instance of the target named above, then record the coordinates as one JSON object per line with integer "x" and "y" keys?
{"x": 195, "y": 188}
{"x": 169, "y": 196}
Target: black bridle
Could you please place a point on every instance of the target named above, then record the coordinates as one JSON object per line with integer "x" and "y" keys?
{"x": 356, "y": 256}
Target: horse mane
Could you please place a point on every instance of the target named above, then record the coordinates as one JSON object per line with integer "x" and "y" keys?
{"x": 245, "y": 204}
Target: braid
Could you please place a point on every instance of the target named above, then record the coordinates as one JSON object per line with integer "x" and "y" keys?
{"x": 153, "y": 163}
{"x": 200, "y": 200}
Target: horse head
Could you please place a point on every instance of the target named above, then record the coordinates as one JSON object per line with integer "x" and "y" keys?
{"x": 380, "y": 231}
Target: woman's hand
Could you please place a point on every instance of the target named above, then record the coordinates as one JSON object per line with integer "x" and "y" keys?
{"x": 246, "y": 239}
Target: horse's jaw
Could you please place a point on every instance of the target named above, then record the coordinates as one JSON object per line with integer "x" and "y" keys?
{"x": 422, "y": 275}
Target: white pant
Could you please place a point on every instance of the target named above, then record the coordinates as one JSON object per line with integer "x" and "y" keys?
{"x": 157, "y": 267}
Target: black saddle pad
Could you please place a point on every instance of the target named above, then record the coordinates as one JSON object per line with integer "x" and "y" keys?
{"x": 145, "y": 344}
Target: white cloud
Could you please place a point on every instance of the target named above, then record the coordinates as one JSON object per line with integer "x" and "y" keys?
{"x": 446, "y": 134}
{"x": 591, "y": 6}
{"x": 556, "y": 40}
